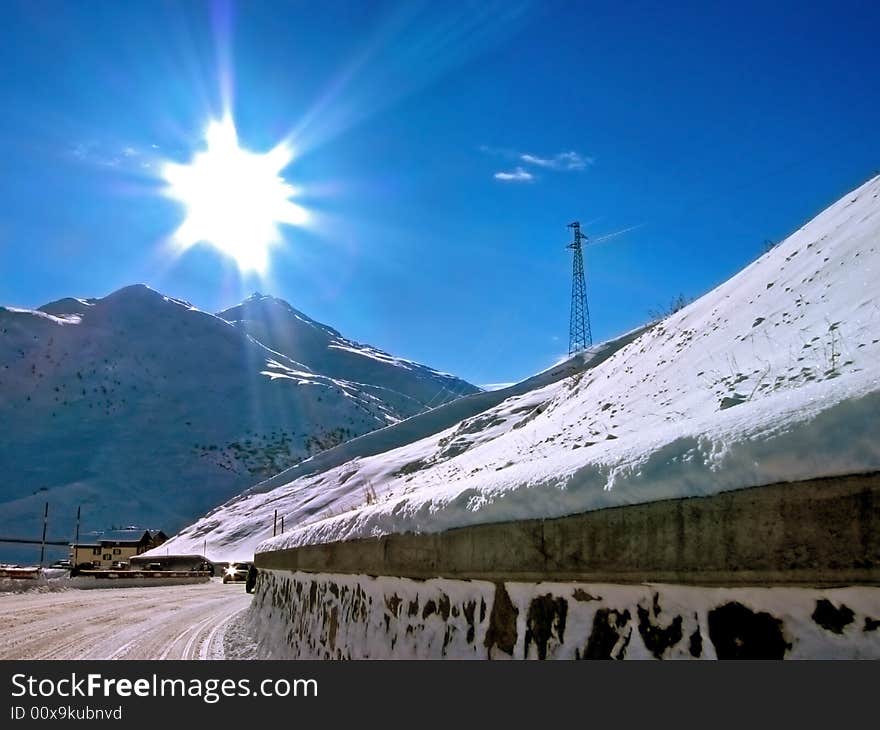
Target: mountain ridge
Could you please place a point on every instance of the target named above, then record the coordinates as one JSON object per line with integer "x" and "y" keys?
{"x": 146, "y": 409}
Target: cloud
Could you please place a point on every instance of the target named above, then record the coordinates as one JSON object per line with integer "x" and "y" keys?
{"x": 518, "y": 175}
{"x": 539, "y": 161}
{"x": 569, "y": 161}
{"x": 561, "y": 161}
{"x": 103, "y": 154}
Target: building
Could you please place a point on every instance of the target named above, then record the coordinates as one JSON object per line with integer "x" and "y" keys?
{"x": 108, "y": 548}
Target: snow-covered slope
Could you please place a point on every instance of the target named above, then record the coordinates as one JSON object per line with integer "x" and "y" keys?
{"x": 773, "y": 376}
{"x": 146, "y": 410}
{"x": 234, "y": 529}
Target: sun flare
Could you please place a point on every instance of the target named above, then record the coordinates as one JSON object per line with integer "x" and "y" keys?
{"x": 236, "y": 200}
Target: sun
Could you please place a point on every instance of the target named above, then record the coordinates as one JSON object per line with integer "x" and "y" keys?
{"x": 235, "y": 200}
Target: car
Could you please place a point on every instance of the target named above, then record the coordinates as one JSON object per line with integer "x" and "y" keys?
{"x": 251, "y": 584}
{"x": 61, "y": 564}
{"x": 236, "y": 573}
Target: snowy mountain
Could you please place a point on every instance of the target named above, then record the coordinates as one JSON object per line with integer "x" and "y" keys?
{"x": 773, "y": 376}
{"x": 282, "y": 328}
{"x": 146, "y": 410}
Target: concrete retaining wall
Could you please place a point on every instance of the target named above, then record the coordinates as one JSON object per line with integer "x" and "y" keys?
{"x": 817, "y": 532}
{"x": 788, "y": 570}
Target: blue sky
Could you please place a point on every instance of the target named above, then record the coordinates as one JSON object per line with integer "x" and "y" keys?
{"x": 442, "y": 149}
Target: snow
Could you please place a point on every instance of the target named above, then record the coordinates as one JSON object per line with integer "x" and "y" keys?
{"x": 147, "y": 622}
{"x": 373, "y": 354}
{"x": 771, "y": 377}
{"x": 54, "y": 319}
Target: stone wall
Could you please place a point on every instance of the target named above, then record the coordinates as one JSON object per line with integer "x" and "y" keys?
{"x": 325, "y": 616}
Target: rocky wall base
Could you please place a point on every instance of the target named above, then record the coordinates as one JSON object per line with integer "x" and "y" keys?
{"x": 298, "y": 615}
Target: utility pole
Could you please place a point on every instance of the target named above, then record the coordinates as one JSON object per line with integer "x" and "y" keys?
{"x": 579, "y": 334}
{"x": 75, "y": 539}
{"x": 43, "y": 542}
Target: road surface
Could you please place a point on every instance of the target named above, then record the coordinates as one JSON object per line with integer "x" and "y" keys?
{"x": 168, "y": 622}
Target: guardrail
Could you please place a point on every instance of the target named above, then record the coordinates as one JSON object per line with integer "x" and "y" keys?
{"x": 20, "y": 573}
{"x": 127, "y": 574}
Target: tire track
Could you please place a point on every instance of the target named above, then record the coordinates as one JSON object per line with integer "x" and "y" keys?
{"x": 179, "y": 622}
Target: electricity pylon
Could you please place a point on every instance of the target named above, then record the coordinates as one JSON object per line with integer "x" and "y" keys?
{"x": 579, "y": 335}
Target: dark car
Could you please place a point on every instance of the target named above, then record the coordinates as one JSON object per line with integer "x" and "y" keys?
{"x": 251, "y": 584}
{"x": 236, "y": 573}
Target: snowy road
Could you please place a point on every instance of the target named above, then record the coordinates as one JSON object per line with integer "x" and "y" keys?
{"x": 169, "y": 622}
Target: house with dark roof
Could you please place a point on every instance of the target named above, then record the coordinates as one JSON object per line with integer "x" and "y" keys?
{"x": 109, "y": 548}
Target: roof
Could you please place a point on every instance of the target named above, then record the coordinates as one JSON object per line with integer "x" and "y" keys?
{"x": 124, "y": 536}
{"x": 134, "y": 535}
